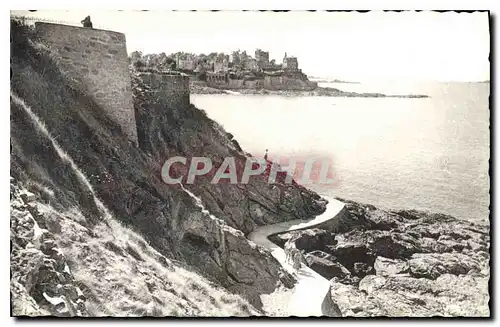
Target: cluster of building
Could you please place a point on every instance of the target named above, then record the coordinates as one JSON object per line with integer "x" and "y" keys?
{"x": 235, "y": 62}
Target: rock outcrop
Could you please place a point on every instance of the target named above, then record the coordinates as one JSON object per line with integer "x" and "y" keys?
{"x": 401, "y": 263}
{"x": 62, "y": 267}
{"x": 190, "y": 133}
{"x": 448, "y": 295}
{"x": 312, "y": 239}
{"x": 390, "y": 267}
{"x": 199, "y": 88}
{"x": 327, "y": 268}
{"x": 41, "y": 281}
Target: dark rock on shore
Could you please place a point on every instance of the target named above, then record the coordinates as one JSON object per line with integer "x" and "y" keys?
{"x": 313, "y": 239}
{"x": 400, "y": 296}
{"x": 202, "y": 88}
{"x": 199, "y": 88}
{"x": 326, "y": 268}
{"x": 401, "y": 263}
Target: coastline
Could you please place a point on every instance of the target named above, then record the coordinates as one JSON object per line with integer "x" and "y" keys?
{"x": 97, "y": 231}
{"x": 398, "y": 263}
{"x": 320, "y": 91}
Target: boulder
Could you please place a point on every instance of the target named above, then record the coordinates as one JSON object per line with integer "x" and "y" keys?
{"x": 313, "y": 239}
{"x": 352, "y": 302}
{"x": 361, "y": 269}
{"x": 400, "y": 296}
{"x": 448, "y": 295}
{"x": 389, "y": 267}
{"x": 323, "y": 255}
{"x": 349, "y": 253}
{"x": 432, "y": 265}
{"x": 27, "y": 196}
{"x": 327, "y": 268}
{"x": 394, "y": 245}
{"x": 371, "y": 283}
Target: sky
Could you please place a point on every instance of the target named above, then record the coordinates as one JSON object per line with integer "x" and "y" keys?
{"x": 349, "y": 46}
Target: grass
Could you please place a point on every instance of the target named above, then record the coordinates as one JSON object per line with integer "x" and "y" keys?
{"x": 128, "y": 277}
{"x": 59, "y": 138}
{"x": 123, "y": 285}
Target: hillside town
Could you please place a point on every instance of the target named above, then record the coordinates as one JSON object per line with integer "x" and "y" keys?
{"x": 238, "y": 70}
{"x": 237, "y": 61}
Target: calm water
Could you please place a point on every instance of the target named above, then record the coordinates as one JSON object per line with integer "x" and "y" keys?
{"x": 395, "y": 153}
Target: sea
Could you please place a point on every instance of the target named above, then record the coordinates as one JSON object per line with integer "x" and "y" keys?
{"x": 395, "y": 153}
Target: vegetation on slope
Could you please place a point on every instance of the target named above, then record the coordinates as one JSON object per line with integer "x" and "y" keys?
{"x": 60, "y": 266}
{"x": 88, "y": 177}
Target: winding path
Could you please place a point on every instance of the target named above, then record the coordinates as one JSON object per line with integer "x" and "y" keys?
{"x": 311, "y": 288}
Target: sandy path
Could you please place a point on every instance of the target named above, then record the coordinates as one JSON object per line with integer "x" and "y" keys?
{"x": 311, "y": 288}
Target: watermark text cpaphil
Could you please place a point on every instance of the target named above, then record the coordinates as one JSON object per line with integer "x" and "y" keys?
{"x": 240, "y": 170}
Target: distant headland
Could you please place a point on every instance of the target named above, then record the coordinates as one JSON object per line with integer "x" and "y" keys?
{"x": 335, "y": 80}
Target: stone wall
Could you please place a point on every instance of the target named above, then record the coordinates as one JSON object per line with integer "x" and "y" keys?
{"x": 217, "y": 78}
{"x": 97, "y": 61}
{"x": 284, "y": 82}
{"x": 245, "y": 84}
{"x": 291, "y": 82}
{"x": 170, "y": 90}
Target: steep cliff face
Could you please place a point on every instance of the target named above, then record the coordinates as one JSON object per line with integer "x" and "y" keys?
{"x": 97, "y": 60}
{"x": 62, "y": 265}
{"x": 62, "y": 141}
{"x": 188, "y": 132}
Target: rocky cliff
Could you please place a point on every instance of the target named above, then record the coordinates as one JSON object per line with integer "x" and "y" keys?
{"x": 96, "y": 232}
{"x": 63, "y": 265}
{"x": 108, "y": 216}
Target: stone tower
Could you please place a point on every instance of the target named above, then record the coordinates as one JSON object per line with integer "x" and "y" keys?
{"x": 97, "y": 60}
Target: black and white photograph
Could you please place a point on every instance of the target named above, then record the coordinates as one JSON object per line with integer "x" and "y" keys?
{"x": 250, "y": 163}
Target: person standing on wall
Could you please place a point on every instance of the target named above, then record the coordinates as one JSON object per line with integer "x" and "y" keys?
{"x": 87, "y": 22}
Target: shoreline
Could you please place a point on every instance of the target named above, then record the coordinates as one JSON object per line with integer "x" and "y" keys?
{"x": 320, "y": 91}
{"x": 398, "y": 263}
{"x": 310, "y": 285}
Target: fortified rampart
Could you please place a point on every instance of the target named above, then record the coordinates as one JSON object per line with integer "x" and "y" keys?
{"x": 284, "y": 81}
{"x": 98, "y": 61}
{"x": 292, "y": 83}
